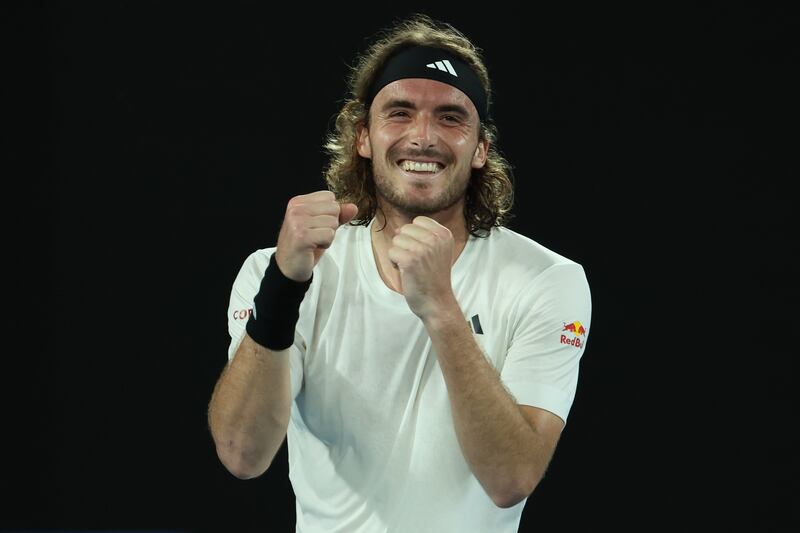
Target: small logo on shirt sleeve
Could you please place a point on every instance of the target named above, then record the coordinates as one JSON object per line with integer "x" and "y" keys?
{"x": 242, "y": 314}
{"x": 574, "y": 332}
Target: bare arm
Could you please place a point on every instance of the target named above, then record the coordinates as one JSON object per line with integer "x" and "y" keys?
{"x": 507, "y": 446}
{"x": 250, "y": 407}
{"x": 249, "y": 410}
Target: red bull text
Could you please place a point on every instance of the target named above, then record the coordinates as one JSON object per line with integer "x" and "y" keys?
{"x": 576, "y": 329}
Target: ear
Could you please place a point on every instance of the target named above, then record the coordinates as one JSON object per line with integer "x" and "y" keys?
{"x": 480, "y": 155}
{"x": 362, "y": 143}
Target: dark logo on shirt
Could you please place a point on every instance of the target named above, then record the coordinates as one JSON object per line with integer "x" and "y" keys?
{"x": 475, "y": 325}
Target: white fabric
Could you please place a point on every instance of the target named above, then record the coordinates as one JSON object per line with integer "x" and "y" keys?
{"x": 371, "y": 441}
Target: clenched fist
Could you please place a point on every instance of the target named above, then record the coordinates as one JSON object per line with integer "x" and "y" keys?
{"x": 308, "y": 229}
{"x": 423, "y": 253}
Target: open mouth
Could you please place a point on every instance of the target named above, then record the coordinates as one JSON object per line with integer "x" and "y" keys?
{"x": 420, "y": 169}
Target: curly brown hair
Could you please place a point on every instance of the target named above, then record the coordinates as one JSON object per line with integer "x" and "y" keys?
{"x": 490, "y": 193}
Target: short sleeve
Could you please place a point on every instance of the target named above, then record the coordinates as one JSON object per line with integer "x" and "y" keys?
{"x": 550, "y": 328}
{"x": 245, "y": 287}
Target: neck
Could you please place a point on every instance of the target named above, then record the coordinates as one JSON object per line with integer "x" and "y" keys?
{"x": 452, "y": 219}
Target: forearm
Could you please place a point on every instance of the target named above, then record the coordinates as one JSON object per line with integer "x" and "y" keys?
{"x": 250, "y": 407}
{"x": 499, "y": 444}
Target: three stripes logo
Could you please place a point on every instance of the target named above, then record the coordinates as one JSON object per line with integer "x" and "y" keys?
{"x": 444, "y": 66}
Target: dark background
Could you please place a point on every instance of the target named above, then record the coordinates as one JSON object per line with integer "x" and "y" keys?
{"x": 158, "y": 145}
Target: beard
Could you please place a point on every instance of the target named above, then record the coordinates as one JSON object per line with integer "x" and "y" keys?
{"x": 391, "y": 195}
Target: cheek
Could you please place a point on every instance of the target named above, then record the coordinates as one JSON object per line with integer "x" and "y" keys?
{"x": 460, "y": 143}
{"x": 385, "y": 143}
{"x": 466, "y": 150}
{"x": 390, "y": 133}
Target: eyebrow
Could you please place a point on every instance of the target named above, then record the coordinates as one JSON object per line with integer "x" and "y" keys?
{"x": 408, "y": 104}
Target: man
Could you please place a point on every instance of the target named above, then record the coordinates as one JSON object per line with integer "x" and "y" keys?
{"x": 424, "y": 361}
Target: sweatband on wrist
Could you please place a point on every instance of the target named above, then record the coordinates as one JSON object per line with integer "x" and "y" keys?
{"x": 276, "y": 308}
{"x": 432, "y": 64}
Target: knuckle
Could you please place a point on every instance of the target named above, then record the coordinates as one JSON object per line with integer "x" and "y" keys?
{"x": 327, "y": 237}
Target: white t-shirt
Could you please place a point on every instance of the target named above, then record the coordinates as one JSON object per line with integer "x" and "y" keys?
{"x": 371, "y": 441}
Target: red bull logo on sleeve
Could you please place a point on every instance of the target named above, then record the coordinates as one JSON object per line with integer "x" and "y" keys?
{"x": 575, "y": 331}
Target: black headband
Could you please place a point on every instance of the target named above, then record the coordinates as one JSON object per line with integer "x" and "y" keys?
{"x": 433, "y": 64}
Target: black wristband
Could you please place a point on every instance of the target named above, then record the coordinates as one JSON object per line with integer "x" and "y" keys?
{"x": 276, "y": 308}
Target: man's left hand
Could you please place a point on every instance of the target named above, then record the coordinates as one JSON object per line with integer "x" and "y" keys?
{"x": 423, "y": 252}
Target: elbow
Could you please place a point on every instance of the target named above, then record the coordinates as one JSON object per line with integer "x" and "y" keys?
{"x": 239, "y": 462}
{"x": 242, "y": 469}
{"x": 513, "y": 492}
{"x": 246, "y": 454}
{"x": 508, "y": 499}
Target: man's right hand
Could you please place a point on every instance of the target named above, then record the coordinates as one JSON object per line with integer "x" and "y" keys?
{"x": 308, "y": 229}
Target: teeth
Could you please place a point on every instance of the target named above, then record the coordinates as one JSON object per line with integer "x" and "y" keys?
{"x": 416, "y": 166}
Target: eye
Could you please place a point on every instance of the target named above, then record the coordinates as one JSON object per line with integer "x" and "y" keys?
{"x": 454, "y": 119}
{"x": 398, "y": 113}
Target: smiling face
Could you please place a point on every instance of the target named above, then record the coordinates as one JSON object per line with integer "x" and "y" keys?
{"x": 423, "y": 142}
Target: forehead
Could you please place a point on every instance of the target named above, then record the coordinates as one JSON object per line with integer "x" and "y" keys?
{"x": 424, "y": 93}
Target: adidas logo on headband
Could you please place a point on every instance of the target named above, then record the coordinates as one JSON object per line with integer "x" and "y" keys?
{"x": 444, "y": 66}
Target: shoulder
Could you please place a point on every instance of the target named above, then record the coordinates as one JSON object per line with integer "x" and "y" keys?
{"x": 253, "y": 267}
{"x": 540, "y": 283}
{"x": 340, "y": 254}
{"x": 258, "y": 261}
{"x": 520, "y": 257}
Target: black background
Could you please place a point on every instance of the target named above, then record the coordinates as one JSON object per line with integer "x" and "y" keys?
{"x": 158, "y": 145}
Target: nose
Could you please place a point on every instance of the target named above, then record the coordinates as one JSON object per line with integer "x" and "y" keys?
{"x": 423, "y": 134}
